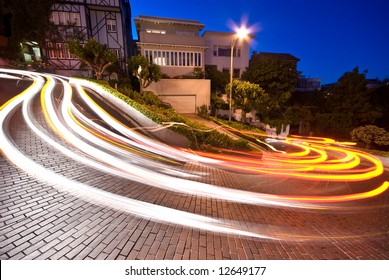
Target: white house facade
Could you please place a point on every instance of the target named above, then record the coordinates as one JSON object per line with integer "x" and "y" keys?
{"x": 173, "y": 44}
{"x": 218, "y": 51}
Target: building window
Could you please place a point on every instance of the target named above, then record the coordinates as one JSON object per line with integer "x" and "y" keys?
{"x": 235, "y": 72}
{"x": 174, "y": 58}
{"x": 51, "y": 50}
{"x": 111, "y": 25}
{"x": 223, "y": 51}
{"x": 226, "y": 51}
{"x": 156, "y": 31}
{"x": 59, "y": 51}
{"x": 199, "y": 60}
{"x": 118, "y": 53}
{"x": 68, "y": 54}
{"x": 65, "y": 18}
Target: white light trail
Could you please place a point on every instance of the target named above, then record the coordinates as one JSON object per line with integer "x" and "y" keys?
{"x": 129, "y": 155}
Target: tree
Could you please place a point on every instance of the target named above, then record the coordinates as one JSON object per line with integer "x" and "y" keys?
{"x": 347, "y": 105}
{"x": 276, "y": 73}
{"x": 295, "y": 114}
{"x": 248, "y": 96}
{"x": 96, "y": 56}
{"x": 198, "y": 73}
{"x": 219, "y": 80}
{"x": 380, "y": 101}
{"x": 30, "y": 21}
{"x": 145, "y": 71}
{"x": 298, "y": 117}
{"x": 370, "y": 134}
{"x": 350, "y": 96}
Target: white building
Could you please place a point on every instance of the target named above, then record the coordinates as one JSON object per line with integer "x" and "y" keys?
{"x": 173, "y": 44}
{"x": 177, "y": 47}
{"x": 218, "y": 52}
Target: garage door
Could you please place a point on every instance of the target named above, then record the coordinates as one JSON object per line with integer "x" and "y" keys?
{"x": 185, "y": 104}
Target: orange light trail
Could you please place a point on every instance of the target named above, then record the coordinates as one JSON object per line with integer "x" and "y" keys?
{"x": 341, "y": 198}
{"x": 313, "y": 162}
{"x": 310, "y": 162}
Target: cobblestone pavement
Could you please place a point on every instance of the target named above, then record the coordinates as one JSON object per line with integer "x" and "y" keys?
{"x": 40, "y": 221}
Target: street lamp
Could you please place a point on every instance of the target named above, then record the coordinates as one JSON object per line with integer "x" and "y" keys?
{"x": 241, "y": 33}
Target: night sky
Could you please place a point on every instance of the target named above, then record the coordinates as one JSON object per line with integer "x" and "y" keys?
{"x": 329, "y": 37}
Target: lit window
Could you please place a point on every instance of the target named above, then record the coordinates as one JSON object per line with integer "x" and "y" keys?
{"x": 111, "y": 25}
{"x": 68, "y": 54}
{"x": 156, "y": 31}
{"x": 117, "y": 52}
{"x": 174, "y": 58}
{"x": 64, "y": 18}
{"x": 54, "y": 17}
{"x": 60, "y": 50}
{"x": 75, "y": 19}
{"x": 51, "y": 50}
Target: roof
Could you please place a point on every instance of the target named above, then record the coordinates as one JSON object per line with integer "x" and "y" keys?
{"x": 172, "y": 21}
{"x": 220, "y": 33}
{"x": 281, "y": 56}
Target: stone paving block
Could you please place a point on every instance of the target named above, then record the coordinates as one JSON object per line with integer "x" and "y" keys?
{"x": 97, "y": 249}
{"x": 132, "y": 255}
{"x": 170, "y": 252}
{"x": 9, "y": 240}
{"x": 127, "y": 248}
{"x": 61, "y": 253}
{"x": 143, "y": 252}
{"x": 23, "y": 239}
{"x": 194, "y": 255}
{"x": 4, "y": 251}
{"x": 34, "y": 248}
{"x": 18, "y": 249}
{"x": 115, "y": 254}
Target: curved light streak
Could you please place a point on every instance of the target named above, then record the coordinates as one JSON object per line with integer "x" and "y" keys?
{"x": 124, "y": 152}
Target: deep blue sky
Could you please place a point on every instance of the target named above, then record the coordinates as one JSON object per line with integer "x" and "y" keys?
{"x": 329, "y": 37}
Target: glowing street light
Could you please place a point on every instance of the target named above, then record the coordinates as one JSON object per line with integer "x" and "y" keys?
{"x": 241, "y": 33}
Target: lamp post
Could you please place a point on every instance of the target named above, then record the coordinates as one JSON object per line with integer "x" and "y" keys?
{"x": 240, "y": 34}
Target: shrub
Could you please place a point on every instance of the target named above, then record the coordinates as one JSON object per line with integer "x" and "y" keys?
{"x": 198, "y": 135}
{"x": 202, "y": 111}
{"x": 370, "y": 134}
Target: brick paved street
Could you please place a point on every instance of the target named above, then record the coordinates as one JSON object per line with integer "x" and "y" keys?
{"x": 40, "y": 221}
